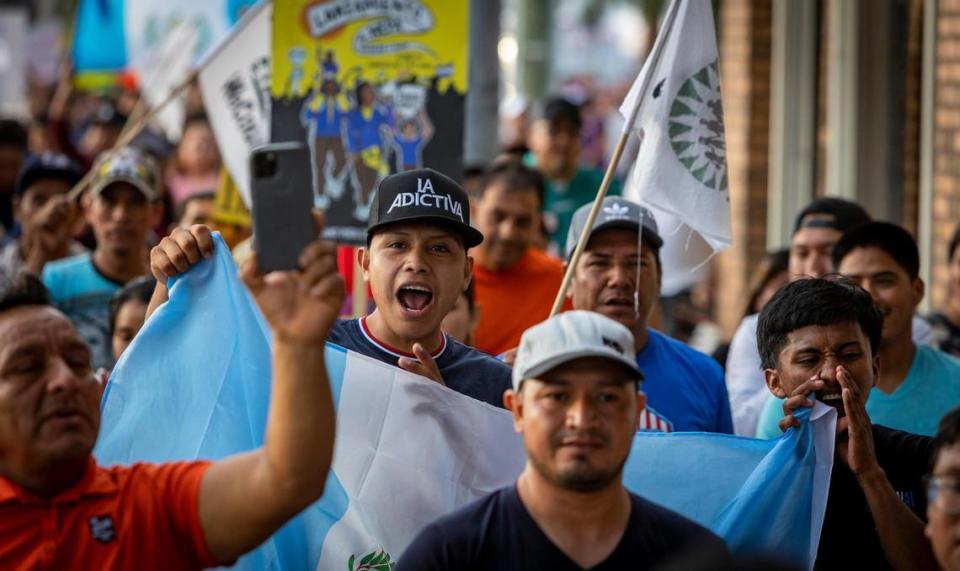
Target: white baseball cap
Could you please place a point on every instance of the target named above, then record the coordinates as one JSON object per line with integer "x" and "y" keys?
{"x": 572, "y": 335}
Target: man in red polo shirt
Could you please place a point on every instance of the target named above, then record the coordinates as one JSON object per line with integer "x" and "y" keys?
{"x": 60, "y": 510}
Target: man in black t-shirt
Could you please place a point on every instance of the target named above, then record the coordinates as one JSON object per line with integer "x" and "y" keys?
{"x": 820, "y": 336}
{"x": 575, "y": 401}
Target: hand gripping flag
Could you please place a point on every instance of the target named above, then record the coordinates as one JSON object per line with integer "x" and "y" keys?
{"x": 195, "y": 383}
{"x": 681, "y": 167}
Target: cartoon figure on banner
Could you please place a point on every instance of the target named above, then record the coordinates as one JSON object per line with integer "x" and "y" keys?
{"x": 414, "y": 129}
{"x": 369, "y": 126}
{"x": 323, "y": 115}
{"x": 294, "y": 85}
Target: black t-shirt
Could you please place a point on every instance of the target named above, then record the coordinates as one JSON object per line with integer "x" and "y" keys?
{"x": 463, "y": 368}
{"x": 497, "y": 533}
{"x": 849, "y": 539}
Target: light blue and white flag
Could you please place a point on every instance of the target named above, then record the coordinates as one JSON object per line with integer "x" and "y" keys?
{"x": 111, "y": 35}
{"x": 195, "y": 383}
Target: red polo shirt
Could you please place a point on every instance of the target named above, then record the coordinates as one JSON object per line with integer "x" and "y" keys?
{"x": 145, "y": 516}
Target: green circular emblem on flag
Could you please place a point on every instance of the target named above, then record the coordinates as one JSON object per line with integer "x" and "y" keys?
{"x": 696, "y": 128}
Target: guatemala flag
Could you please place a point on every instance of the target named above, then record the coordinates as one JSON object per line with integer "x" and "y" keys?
{"x": 195, "y": 383}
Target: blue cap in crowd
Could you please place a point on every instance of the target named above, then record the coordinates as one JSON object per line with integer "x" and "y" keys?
{"x": 44, "y": 166}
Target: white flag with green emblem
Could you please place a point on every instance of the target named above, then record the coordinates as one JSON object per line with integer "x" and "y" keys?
{"x": 681, "y": 167}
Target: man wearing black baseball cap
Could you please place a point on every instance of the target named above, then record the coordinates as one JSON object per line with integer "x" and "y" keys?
{"x": 44, "y": 213}
{"x": 618, "y": 276}
{"x": 417, "y": 265}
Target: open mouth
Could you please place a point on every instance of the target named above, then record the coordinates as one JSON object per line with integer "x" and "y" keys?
{"x": 619, "y": 302}
{"x": 834, "y": 399}
{"x": 415, "y": 299}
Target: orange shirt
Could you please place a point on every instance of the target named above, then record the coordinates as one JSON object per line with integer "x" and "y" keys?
{"x": 145, "y": 516}
{"x": 513, "y": 300}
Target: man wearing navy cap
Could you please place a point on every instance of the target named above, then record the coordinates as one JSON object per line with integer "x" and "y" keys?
{"x": 45, "y": 215}
{"x": 618, "y": 276}
{"x": 417, "y": 264}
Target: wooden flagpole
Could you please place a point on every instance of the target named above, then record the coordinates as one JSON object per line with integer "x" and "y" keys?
{"x": 655, "y": 56}
{"x": 359, "y": 290}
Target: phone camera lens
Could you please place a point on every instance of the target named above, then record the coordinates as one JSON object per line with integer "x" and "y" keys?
{"x": 265, "y": 165}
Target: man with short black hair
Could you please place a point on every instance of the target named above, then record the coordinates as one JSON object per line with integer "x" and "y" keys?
{"x": 943, "y": 491}
{"x": 816, "y": 229}
{"x": 508, "y": 213}
{"x": 60, "y": 510}
{"x": 619, "y": 276}
{"x": 45, "y": 214}
{"x": 821, "y": 337}
{"x": 917, "y": 384}
{"x": 555, "y": 151}
{"x": 576, "y": 400}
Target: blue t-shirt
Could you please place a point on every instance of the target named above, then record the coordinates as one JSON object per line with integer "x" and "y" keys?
{"x": 498, "y": 533}
{"x": 326, "y": 120}
{"x": 409, "y": 150}
{"x": 463, "y": 368}
{"x": 363, "y": 129}
{"x": 81, "y": 292}
{"x": 683, "y": 387}
{"x": 930, "y": 390}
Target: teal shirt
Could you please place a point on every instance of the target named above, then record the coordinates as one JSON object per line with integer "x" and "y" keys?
{"x": 931, "y": 389}
{"x": 83, "y": 294}
{"x": 562, "y": 200}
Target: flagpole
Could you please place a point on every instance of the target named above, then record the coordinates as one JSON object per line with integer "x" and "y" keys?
{"x": 655, "y": 56}
{"x": 359, "y": 290}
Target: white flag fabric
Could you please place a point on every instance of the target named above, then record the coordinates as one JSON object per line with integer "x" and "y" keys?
{"x": 235, "y": 82}
{"x": 162, "y": 70}
{"x": 681, "y": 167}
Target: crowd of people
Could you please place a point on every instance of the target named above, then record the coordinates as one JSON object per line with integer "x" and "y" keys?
{"x": 461, "y": 296}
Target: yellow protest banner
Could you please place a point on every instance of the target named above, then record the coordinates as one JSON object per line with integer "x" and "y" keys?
{"x": 365, "y": 83}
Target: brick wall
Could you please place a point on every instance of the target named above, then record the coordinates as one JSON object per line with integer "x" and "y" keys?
{"x": 911, "y": 131}
{"x": 744, "y": 27}
{"x": 946, "y": 146}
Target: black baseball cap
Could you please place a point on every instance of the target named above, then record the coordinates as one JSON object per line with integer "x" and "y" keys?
{"x": 422, "y": 195}
{"x": 557, "y": 109}
{"x": 44, "y": 166}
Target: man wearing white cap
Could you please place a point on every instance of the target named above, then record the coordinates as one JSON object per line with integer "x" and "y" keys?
{"x": 575, "y": 400}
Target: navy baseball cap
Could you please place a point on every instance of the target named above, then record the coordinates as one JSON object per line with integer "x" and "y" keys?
{"x": 44, "y": 166}
{"x": 422, "y": 195}
{"x": 615, "y": 212}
